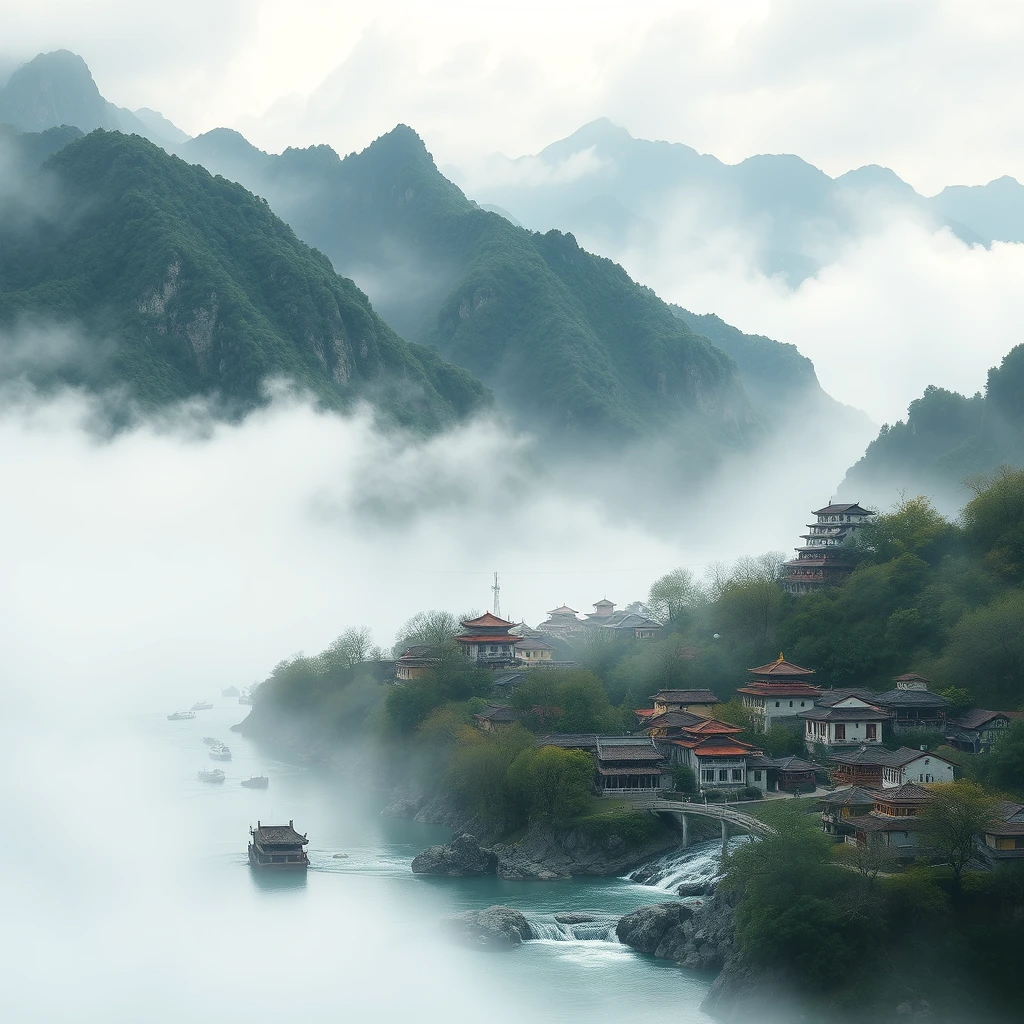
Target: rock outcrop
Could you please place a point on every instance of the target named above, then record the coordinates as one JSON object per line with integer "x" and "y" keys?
{"x": 463, "y": 857}
{"x": 659, "y": 930}
{"x": 496, "y": 927}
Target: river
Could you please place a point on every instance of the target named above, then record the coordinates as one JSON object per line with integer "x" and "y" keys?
{"x": 129, "y": 896}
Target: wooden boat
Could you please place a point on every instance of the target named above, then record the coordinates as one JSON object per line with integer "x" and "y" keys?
{"x": 180, "y": 715}
{"x": 221, "y": 752}
{"x": 256, "y": 782}
{"x": 277, "y": 848}
{"x": 201, "y": 705}
{"x": 211, "y": 775}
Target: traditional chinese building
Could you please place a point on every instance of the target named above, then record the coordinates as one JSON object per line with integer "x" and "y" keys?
{"x": 707, "y": 747}
{"x": 894, "y": 820}
{"x": 912, "y": 706}
{"x": 496, "y": 717}
{"x": 779, "y": 691}
{"x": 415, "y": 662}
{"x": 824, "y": 559}
{"x": 487, "y": 642}
{"x": 877, "y": 768}
{"x": 1003, "y": 837}
{"x": 561, "y": 620}
{"x": 277, "y": 847}
{"x": 697, "y": 701}
{"x": 849, "y": 721}
{"x": 976, "y": 730}
{"x": 839, "y": 807}
{"x": 603, "y": 611}
{"x": 630, "y": 764}
{"x": 533, "y": 651}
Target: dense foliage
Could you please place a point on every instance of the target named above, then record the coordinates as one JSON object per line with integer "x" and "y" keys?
{"x": 182, "y": 284}
{"x": 564, "y": 337}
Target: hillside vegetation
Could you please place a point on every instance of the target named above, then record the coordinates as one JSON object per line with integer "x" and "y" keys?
{"x": 566, "y": 340}
{"x": 183, "y": 284}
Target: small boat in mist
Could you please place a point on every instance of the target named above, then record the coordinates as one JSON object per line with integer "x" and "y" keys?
{"x": 220, "y": 752}
{"x": 179, "y": 715}
{"x": 256, "y": 782}
{"x": 231, "y": 691}
{"x": 210, "y": 775}
{"x": 201, "y": 705}
{"x": 211, "y": 741}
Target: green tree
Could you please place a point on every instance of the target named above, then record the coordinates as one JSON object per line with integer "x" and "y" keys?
{"x": 1002, "y": 767}
{"x": 914, "y": 527}
{"x": 959, "y": 697}
{"x": 994, "y": 523}
{"x": 479, "y": 769}
{"x": 551, "y": 782}
{"x": 674, "y": 597}
{"x": 752, "y": 599}
{"x": 952, "y": 821}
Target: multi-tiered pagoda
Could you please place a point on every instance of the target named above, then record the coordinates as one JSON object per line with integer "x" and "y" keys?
{"x": 486, "y": 640}
{"x": 825, "y": 558}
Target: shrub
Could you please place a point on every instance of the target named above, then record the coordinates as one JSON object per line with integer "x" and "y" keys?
{"x": 716, "y": 796}
{"x": 753, "y": 793}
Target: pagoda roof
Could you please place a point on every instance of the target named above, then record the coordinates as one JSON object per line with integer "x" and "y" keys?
{"x": 487, "y": 621}
{"x": 780, "y": 689}
{"x": 563, "y": 610}
{"x": 852, "y": 508}
{"x": 278, "y": 835}
{"x": 717, "y": 746}
{"x": 780, "y": 669}
{"x": 671, "y": 719}
{"x": 487, "y": 638}
{"x": 711, "y": 726}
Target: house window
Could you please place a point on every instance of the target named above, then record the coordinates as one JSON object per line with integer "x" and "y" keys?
{"x": 707, "y": 775}
{"x": 777, "y": 704}
{"x": 840, "y": 732}
{"x": 723, "y": 774}
{"x": 737, "y": 775}
{"x": 801, "y": 703}
{"x": 871, "y": 731}
{"x": 757, "y": 775}
{"x": 790, "y": 703}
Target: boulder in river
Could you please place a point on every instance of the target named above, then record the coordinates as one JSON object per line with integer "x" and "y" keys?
{"x": 579, "y": 917}
{"x": 662, "y": 930}
{"x": 463, "y": 857}
{"x": 496, "y": 927}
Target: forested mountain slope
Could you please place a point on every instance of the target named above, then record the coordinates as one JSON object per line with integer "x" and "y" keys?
{"x": 184, "y": 284}
{"x": 948, "y": 438}
{"x": 568, "y": 342}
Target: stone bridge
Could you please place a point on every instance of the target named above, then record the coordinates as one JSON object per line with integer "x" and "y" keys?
{"x": 723, "y": 812}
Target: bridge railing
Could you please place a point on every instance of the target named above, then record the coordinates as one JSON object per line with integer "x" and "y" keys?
{"x": 723, "y": 812}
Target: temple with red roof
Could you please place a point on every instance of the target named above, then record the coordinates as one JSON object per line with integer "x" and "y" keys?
{"x": 780, "y": 690}
{"x": 824, "y": 559}
{"x": 487, "y": 642}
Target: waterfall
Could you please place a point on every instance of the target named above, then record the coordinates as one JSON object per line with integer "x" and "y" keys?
{"x": 699, "y": 865}
{"x": 597, "y": 928}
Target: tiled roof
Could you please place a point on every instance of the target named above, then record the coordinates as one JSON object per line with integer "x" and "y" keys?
{"x": 486, "y": 621}
{"x": 628, "y": 753}
{"x": 673, "y": 720}
{"x": 875, "y": 755}
{"x": 773, "y": 690}
{"x": 830, "y": 697}
{"x": 794, "y": 764}
{"x": 533, "y": 644}
{"x": 651, "y": 769}
{"x": 484, "y": 638}
{"x": 781, "y": 669}
{"x": 850, "y": 797}
{"x": 909, "y": 793}
{"x": 569, "y": 741}
{"x": 977, "y": 717}
{"x": 910, "y": 698}
{"x": 898, "y": 758}
{"x": 844, "y": 714}
{"x": 833, "y": 510}
{"x": 873, "y": 823}
{"x": 498, "y": 713}
{"x": 686, "y": 697}
{"x": 278, "y": 835}
{"x": 563, "y": 610}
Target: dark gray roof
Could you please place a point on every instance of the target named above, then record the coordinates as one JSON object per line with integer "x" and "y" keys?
{"x": 852, "y": 796}
{"x": 672, "y": 719}
{"x": 499, "y": 713}
{"x": 650, "y": 769}
{"x": 570, "y": 741}
{"x": 794, "y": 764}
{"x": 977, "y": 717}
{"x": 852, "y": 507}
{"x": 278, "y": 835}
{"x": 629, "y": 620}
{"x": 910, "y": 699}
{"x": 686, "y": 697}
{"x": 844, "y": 714}
{"x": 871, "y": 755}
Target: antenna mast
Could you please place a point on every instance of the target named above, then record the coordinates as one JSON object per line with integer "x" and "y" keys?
{"x": 496, "y": 591}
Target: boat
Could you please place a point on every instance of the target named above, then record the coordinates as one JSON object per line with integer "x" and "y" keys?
{"x": 231, "y": 691}
{"x": 210, "y": 741}
{"x": 256, "y": 782}
{"x": 220, "y": 752}
{"x": 211, "y": 775}
{"x": 201, "y": 705}
{"x": 179, "y": 715}
{"x": 277, "y": 847}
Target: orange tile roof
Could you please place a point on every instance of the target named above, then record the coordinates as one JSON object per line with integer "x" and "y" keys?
{"x": 487, "y": 638}
{"x": 781, "y": 669}
{"x": 487, "y": 620}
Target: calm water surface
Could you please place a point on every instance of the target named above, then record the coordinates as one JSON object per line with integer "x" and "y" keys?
{"x": 160, "y": 917}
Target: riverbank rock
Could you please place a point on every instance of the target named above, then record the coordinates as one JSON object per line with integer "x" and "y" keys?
{"x": 661, "y": 930}
{"x": 701, "y": 888}
{"x": 401, "y": 807}
{"x": 463, "y": 857}
{"x": 579, "y": 917}
{"x": 496, "y": 927}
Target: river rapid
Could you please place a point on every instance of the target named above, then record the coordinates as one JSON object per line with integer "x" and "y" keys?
{"x": 128, "y": 895}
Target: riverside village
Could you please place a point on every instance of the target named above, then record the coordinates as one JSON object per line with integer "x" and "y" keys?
{"x": 815, "y": 764}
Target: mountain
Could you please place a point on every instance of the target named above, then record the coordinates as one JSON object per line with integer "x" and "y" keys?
{"x": 57, "y": 88}
{"x": 995, "y": 211}
{"x": 27, "y": 150}
{"x": 180, "y": 284}
{"x": 775, "y": 374}
{"x": 569, "y": 343}
{"x": 616, "y": 193}
{"x": 946, "y": 439}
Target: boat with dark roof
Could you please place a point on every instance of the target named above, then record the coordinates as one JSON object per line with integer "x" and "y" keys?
{"x": 210, "y": 775}
{"x": 180, "y": 716}
{"x": 220, "y": 752}
{"x": 277, "y": 848}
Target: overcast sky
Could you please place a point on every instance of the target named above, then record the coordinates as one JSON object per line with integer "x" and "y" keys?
{"x": 928, "y": 87}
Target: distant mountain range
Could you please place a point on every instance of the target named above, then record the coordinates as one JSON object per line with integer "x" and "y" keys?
{"x": 615, "y": 192}
{"x": 57, "y": 88}
{"x": 177, "y": 284}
